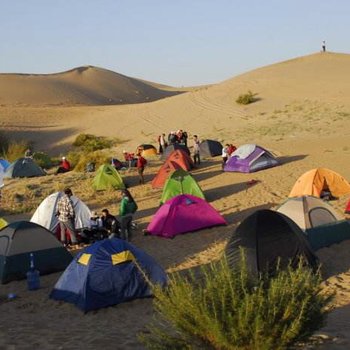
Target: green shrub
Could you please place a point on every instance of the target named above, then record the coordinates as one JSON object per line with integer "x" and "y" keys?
{"x": 92, "y": 143}
{"x": 222, "y": 308}
{"x": 79, "y": 159}
{"x": 16, "y": 149}
{"x": 246, "y": 99}
{"x": 43, "y": 160}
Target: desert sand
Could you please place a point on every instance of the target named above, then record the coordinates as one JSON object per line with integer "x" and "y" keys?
{"x": 302, "y": 115}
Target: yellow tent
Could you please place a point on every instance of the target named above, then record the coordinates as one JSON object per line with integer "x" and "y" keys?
{"x": 313, "y": 182}
{"x": 3, "y": 223}
{"x": 147, "y": 151}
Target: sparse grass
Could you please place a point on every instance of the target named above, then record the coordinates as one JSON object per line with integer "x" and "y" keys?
{"x": 247, "y": 98}
{"x": 224, "y": 308}
{"x": 15, "y": 150}
{"x": 90, "y": 143}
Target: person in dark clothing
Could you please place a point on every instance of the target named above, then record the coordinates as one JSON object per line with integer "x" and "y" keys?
{"x": 110, "y": 224}
{"x": 196, "y": 150}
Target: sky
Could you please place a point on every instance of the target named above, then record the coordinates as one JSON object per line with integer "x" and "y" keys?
{"x": 174, "y": 42}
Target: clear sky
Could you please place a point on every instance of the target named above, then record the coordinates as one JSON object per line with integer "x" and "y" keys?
{"x": 176, "y": 42}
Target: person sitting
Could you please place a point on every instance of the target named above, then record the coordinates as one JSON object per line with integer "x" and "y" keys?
{"x": 230, "y": 149}
{"x": 64, "y": 166}
{"x": 28, "y": 153}
{"x": 110, "y": 224}
{"x": 94, "y": 232}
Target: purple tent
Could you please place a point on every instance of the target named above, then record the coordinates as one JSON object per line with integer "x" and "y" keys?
{"x": 181, "y": 214}
{"x": 250, "y": 158}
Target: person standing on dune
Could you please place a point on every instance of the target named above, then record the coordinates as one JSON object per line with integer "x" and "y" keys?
{"x": 324, "y": 46}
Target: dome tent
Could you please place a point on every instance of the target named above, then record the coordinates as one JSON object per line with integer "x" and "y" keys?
{"x": 174, "y": 147}
{"x": 250, "y": 158}
{"x": 210, "y": 148}
{"x": 147, "y": 151}
{"x": 108, "y": 273}
{"x": 45, "y": 213}
{"x": 181, "y": 214}
{"x": 24, "y": 167}
{"x": 18, "y": 240}
{"x": 315, "y": 181}
{"x": 107, "y": 177}
{"x": 180, "y": 182}
{"x": 269, "y": 238}
{"x": 309, "y": 211}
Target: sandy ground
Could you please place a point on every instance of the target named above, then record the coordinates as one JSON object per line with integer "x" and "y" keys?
{"x": 305, "y": 127}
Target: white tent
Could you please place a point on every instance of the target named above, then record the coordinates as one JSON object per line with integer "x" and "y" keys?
{"x": 308, "y": 212}
{"x": 45, "y": 213}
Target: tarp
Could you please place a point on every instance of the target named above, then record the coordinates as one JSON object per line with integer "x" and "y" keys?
{"x": 176, "y": 160}
{"x": 107, "y": 177}
{"x": 269, "y": 238}
{"x": 18, "y": 240}
{"x": 107, "y": 273}
{"x": 180, "y": 182}
{"x": 314, "y": 181}
{"x": 4, "y": 164}
{"x": 181, "y": 214}
{"x": 250, "y": 158}
{"x": 210, "y": 148}
{"x": 24, "y": 167}
{"x": 309, "y": 211}
{"x": 45, "y": 213}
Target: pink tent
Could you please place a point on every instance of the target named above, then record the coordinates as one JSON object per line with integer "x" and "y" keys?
{"x": 183, "y": 213}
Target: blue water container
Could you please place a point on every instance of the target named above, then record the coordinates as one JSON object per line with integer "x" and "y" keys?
{"x": 33, "y": 275}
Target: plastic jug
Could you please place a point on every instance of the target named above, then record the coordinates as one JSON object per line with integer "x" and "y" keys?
{"x": 33, "y": 275}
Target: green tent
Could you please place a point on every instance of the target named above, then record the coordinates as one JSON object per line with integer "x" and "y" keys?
{"x": 107, "y": 177}
{"x": 180, "y": 182}
{"x": 18, "y": 240}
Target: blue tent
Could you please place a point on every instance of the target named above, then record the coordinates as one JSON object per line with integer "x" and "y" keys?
{"x": 4, "y": 164}
{"x": 107, "y": 273}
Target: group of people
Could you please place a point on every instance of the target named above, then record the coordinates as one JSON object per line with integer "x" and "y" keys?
{"x": 101, "y": 227}
{"x": 173, "y": 137}
{"x": 227, "y": 151}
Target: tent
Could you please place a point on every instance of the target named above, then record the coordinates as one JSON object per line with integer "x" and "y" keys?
{"x": 107, "y": 177}
{"x": 4, "y": 164}
{"x": 24, "y": 167}
{"x": 250, "y": 158}
{"x": 314, "y": 181}
{"x": 147, "y": 151}
{"x": 176, "y": 160}
{"x": 108, "y": 273}
{"x": 3, "y": 223}
{"x": 181, "y": 214}
{"x": 18, "y": 240}
{"x": 173, "y": 147}
{"x": 180, "y": 182}
{"x": 308, "y": 211}
{"x": 210, "y": 148}
{"x": 267, "y": 237}
{"x": 45, "y": 213}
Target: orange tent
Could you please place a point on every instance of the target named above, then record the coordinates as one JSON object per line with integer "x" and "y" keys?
{"x": 176, "y": 160}
{"x": 313, "y": 182}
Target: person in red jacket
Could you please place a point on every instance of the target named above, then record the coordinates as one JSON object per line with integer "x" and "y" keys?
{"x": 141, "y": 163}
{"x": 64, "y": 166}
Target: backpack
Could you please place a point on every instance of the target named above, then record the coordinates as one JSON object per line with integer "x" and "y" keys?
{"x": 131, "y": 207}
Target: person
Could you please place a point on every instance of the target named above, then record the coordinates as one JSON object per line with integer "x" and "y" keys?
{"x": 231, "y": 148}
{"x": 66, "y": 217}
{"x": 224, "y": 155}
{"x": 184, "y": 138}
{"x": 110, "y": 224}
{"x": 64, "y": 166}
{"x": 196, "y": 150}
{"x": 141, "y": 163}
{"x": 172, "y": 138}
{"x": 129, "y": 157}
{"x": 162, "y": 143}
{"x": 324, "y": 46}
{"x": 127, "y": 208}
{"x": 93, "y": 232}
{"x": 28, "y": 153}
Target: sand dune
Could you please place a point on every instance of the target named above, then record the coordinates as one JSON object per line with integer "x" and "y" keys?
{"x": 302, "y": 116}
{"x": 86, "y": 85}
